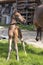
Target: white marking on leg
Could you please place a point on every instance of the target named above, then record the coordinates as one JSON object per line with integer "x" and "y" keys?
{"x": 23, "y": 46}
{"x": 16, "y": 51}
{"x": 22, "y": 40}
{"x": 10, "y": 43}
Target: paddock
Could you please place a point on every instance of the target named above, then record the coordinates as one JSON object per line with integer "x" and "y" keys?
{"x": 28, "y": 36}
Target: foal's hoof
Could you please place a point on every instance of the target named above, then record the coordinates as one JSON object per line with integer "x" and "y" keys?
{"x": 25, "y": 54}
{"x": 7, "y": 58}
{"x": 17, "y": 58}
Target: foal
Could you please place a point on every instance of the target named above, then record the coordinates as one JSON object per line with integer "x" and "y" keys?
{"x": 14, "y": 33}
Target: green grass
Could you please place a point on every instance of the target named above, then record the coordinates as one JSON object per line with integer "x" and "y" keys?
{"x": 34, "y": 55}
{"x": 27, "y": 27}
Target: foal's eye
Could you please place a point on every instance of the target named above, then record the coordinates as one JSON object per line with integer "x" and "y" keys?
{"x": 17, "y": 16}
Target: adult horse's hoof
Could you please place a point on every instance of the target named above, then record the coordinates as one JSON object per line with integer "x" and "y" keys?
{"x": 37, "y": 39}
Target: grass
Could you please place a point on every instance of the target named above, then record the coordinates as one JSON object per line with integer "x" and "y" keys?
{"x": 27, "y": 27}
{"x": 34, "y": 55}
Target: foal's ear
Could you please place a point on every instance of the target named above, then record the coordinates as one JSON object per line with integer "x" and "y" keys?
{"x": 14, "y": 10}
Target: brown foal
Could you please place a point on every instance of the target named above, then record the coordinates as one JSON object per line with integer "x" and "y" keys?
{"x": 14, "y": 33}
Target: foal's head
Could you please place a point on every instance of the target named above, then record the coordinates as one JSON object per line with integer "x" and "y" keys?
{"x": 19, "y": 17}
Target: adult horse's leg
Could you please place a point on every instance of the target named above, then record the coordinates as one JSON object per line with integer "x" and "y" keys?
{"x": 39, "y": 33}
{"x": 10, "y": 43}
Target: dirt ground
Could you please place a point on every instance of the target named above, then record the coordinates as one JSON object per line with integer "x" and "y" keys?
{"x": 28, "y": 36}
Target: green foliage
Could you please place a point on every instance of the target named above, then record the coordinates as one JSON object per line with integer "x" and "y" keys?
{"x": 34, "y": 55}
{"x": 27, "y": 27}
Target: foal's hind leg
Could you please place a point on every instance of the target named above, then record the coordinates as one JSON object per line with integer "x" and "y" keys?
{"x": 16, "y": 47}
{"x": 10, "y": 43}
{"x": 16, "y": 41}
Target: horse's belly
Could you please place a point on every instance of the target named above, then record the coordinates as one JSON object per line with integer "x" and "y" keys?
{"x": 38, "y": 16}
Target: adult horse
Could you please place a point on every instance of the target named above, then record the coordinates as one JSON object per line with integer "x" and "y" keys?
{"x": 38, "y": 21}
{"x": 14, "y": 32}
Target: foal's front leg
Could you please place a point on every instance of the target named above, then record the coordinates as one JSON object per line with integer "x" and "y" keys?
{"x": 23, "y": 46}
{"x": 22, "y": 41}
{"x": 10, "y": 43}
